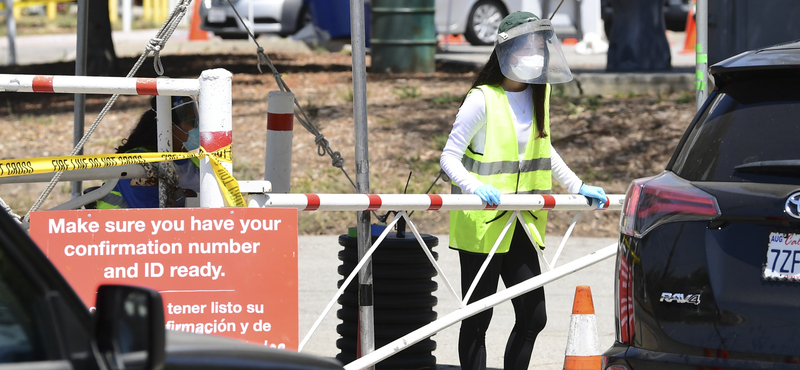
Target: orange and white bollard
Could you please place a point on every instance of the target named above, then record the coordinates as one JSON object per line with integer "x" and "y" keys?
{"x": 280, "y": 126}
{"x": 583, "y": 344}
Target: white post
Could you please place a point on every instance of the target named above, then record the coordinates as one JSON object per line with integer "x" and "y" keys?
{"x": 164, "y": 137}
{"x": 127, "y": 6}
{"x": 11, "y": 32}
{"x": 280, "y": 122}
{"x": 216, "y": 124}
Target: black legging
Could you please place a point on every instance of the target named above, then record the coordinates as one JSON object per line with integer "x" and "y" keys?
{"x": 519, "y": 264}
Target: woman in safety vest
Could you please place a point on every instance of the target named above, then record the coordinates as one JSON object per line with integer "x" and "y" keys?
{"x": 143, "y": 193}
{"x": 500, "y": 144}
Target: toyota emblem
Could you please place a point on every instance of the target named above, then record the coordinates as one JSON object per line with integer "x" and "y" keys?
{"x": 793, "y": 205}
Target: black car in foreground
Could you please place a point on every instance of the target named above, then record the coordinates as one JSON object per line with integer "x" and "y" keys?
{"x": 708, "y": 266}
{"x": 45, "y": 325}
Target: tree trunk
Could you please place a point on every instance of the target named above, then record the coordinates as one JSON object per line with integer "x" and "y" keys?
{"x": 638, "y": 40}
{"x": 101, "y": 60}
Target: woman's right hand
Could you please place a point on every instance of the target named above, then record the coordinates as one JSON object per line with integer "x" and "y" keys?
{"x": 488, "y": 194}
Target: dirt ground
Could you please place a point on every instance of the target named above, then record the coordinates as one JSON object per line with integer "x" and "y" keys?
{"x": 607, "y": 140}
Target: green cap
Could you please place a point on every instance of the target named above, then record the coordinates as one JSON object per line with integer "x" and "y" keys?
{"x": 515, "y": 19}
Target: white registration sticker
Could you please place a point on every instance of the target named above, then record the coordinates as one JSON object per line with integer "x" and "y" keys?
{"x": 783, "y": 257}
{"x": 216, "y": 15}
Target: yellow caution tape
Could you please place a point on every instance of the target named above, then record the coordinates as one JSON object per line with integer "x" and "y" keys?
{"x": 228, "y": 185}
{"x": 31, "y": 166}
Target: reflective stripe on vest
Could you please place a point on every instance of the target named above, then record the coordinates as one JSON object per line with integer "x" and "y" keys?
{"x": 112, "y": 200}
{"x": 499, "y": 165}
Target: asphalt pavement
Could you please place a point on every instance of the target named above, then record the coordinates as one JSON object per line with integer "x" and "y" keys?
{"x": 318, "y": 254}
{"x": 318, "y": 277}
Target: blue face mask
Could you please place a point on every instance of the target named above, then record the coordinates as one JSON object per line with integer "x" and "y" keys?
{"x": 193, "y": 142}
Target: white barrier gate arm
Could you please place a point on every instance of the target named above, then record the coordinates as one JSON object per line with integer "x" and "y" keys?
{"x": 428, "y": 202}
{"x": 479, "y": 306}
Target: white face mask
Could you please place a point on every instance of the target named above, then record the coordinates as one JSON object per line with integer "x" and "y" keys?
{"x": 528, "y": 67}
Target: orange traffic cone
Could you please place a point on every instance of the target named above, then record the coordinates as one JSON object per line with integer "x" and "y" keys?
{"x": 195, "y": 33}
{"x": 453, "y": 39}
{"x": 583, "y": 343}
{"x": 691, "y": 34}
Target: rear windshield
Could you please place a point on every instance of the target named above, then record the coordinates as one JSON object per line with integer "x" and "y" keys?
{"x": 749, "y": 121}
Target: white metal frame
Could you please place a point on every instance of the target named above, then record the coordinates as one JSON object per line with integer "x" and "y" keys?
{"x": 213, "y": 90}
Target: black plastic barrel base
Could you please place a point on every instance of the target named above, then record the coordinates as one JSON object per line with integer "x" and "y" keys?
{"x": 403, "y": 299}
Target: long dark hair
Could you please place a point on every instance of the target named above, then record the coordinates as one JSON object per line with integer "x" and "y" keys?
{"x": 491, "y": 75}
{"x": 143, "y": 135}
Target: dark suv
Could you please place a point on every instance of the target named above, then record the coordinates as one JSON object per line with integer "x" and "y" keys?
{"x": 45, "y": 325}
{"x": 708, "y": 265}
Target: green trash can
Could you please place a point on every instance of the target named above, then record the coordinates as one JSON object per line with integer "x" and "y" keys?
{"x": 403, "y": 36}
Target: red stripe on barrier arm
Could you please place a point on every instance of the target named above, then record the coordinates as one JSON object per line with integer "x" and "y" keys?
{"x": 313, "y": 202}
{"x": 605, "y": 206}
{"x": 146, "y": 86}
{"x": 374, "y": 202}
{"x": 213, "y": 140}
{"x": 436, "y": 202}
{"x": 490, "y": 208}
{"x": 42, "y": 84}
{"x": 549, "y": 202}
{"x": 280, "y": 121}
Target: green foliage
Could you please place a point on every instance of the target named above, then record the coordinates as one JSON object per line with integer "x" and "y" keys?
{"x": 686, "y": 97}
{"x": 407, "y": 92}
{"x": 440, "y": 140}
{"x": 445, "y": 99}
{"x": 247, "y": 170}
{"x": 346, "y": 94}
{"x": 574, "y": 110}
{"x": 593, "y": 102}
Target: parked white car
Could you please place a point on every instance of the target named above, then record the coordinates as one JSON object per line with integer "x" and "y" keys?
{"x": 282, "y": 17}
{"x": 477, "y": 20}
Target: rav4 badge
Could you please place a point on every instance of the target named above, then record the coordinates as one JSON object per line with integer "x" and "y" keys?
{"x": 680, "y": 298}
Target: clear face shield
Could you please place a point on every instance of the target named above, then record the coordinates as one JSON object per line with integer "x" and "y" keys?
{"x": 184, "y": 109}
{"x": 531, "y": 53}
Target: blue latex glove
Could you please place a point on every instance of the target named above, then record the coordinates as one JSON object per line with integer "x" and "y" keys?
{"x": 488, "y": 194}
{"x": 594, "y": 192}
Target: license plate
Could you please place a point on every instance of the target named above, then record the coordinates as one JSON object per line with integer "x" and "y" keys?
{"x": 783, "y": 257}
{"x": 216, "y": 15}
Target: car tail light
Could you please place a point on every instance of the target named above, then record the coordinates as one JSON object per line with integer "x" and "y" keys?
{"x": 624, "y": 303}
{"x": 653, "y": 201}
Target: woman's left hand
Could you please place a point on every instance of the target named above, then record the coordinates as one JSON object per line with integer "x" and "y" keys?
{"x": 594, "y": 192}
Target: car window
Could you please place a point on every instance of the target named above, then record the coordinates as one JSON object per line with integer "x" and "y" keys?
{"x": 753, "y": 120}
{"x": 21, "y": 313}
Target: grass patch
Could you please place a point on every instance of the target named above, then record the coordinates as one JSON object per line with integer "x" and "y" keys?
{"x": 685, "y": 98}
{"x": 445, "y": 99}
{"x": 407, "y": 92}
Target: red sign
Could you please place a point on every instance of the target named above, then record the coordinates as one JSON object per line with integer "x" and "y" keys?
{"x": 222, "y": 271}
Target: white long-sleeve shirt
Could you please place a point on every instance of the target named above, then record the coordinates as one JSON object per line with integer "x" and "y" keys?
{"x": 470, "y": 127}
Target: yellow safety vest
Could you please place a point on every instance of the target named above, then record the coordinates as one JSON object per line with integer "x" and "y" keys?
{"x": 114, "y": 199}
{"x": 499, "y": 165}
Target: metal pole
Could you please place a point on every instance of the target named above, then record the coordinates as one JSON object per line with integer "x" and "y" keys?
{"x": 164, "y": 137}
{"x": 701, "y": 49}
{"x": 365, "y": 303}
{"x": 80, "y": 70}
{"x": 11, "y": 31}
